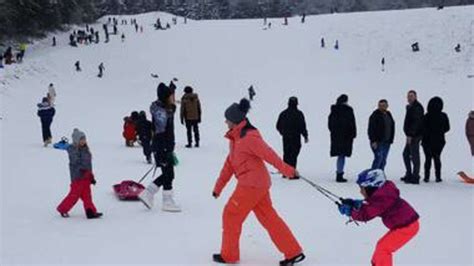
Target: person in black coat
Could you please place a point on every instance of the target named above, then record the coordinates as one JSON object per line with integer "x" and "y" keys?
{"x": 342, "y": 125}
{"x": 291, "y": 125}
{"x": 435, "y": 126}
{"x": 381, "y": 134}
{"x": 413, "y": 127}
{"x": 46, "y": 113}
{"x": 144, "y": 130}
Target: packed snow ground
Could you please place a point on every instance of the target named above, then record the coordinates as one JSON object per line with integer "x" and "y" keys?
{"x": 221, "y": 59}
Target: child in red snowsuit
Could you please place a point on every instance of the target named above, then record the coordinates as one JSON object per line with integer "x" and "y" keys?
{"x": 382, "y": 199}
{"x": 80, "y": 166}
{"x": 129, "y": 132}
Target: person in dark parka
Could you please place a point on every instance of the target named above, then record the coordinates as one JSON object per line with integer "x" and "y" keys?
{"x": 470, "y": 131}
{"x": 413, "y": 128}
{"x": 145, "y": 133}
{"x": 435, "y": 126}
{"x": 342, "y": 125}
{"x": 381, "y": 134}
{"x": 46, "y": 113}
{"x": 292, "y": 125}
{"x": 191, "y": 115}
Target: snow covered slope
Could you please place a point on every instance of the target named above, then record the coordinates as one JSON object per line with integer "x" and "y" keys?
{"x": 221, "y": 59}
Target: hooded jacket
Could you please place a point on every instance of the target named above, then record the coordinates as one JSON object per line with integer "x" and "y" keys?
{"x": 435, "y": 126}
{"x": 470, "y": 131}
{"x": 387, "y": 204}
{"x": 190, "y": 107}
{"x": 248, "y": 153}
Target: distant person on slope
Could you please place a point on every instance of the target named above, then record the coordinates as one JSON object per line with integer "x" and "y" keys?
{"x": 342, "y": 125}
{"x": 382, "y": 199}
{"x": 46, "y": 113}
{"x": 247, "y": 156}
{"x": 78, "y": 66}
{"x": 191, "y": 115}
{"x": 80, "y": 167}
{"x": 163, "y": 144}
{"x": 101, "y": 70}
{"x": 252, "y": 93}
{"x": 435, "y": 126}
{"x": 291, "y": 125}
{"x": 51, "y": 94}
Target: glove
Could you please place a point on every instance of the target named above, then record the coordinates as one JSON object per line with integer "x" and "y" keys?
{"x": 345, "y": 209}
{"x": 355, "y": 204}
{"x": 93, "y": 182}
{"x": 215, "y": 195}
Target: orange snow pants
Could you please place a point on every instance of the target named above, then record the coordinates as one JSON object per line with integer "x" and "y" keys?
{"x": 242, "y": 202}
{"x": 391, "y": 242}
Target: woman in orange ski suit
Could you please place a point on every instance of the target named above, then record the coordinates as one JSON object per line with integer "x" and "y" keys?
{"x": 246, "y": 160}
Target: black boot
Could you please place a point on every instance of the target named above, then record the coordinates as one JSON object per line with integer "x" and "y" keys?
{"x": 93, "y": 215}
{"x": 189, "y": 145}
{"x": 414, "y": 180}
{"x": 218, "y": 258}
{"x": 427, "y": 177}
{"x": 65, "y": 215}
{"x": 197, "y": 144}
{"x": 340, "y": 178}
{"x": 148, "y": 160}
{"x": 438, "y": 177}
{"x": 292, "y": 261}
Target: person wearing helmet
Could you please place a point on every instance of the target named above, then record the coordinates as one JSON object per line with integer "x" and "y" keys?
{"x": 382, "y": 199}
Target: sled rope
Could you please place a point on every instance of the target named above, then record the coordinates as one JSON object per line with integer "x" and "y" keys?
{"x": 146, "y": 174}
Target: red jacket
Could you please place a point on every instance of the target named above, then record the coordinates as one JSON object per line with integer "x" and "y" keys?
{"x": 129, "y": 131}
{"x": 386, "y": 203}
{"x": 246, "y": 160}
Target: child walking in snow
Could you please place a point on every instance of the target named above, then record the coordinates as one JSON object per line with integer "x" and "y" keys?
{"x": 80, "y": 167}
{"x": 51, "y": 94}
{"x": 46, "y": 113}
{"x": 129, "y": 131}
{"x": 382, "y": 199}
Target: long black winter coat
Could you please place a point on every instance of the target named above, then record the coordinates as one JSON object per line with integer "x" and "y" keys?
{"x": 163, "y": 142}
{"x": 413, "y": 124}
{"x": 342, "y": 125}
{"x": 376, "y": 129}
{"x": 292, "y": 125}
{"x": 435, "y": 125}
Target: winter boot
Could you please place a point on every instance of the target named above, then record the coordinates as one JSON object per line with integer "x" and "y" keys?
{"x": 64, "y": 214}
{"x": 93, "y": 215}
{"x": 147, "y": 195}
{"x": 148, "y": 160}
{"x": 292, "y": 261}
{"x": 340, "y": 178}
{"x": 438, "y": 177}
{"x": 197, "y": 144}
{"x": 414, "y": 180}
{"x": 218, "y": 258}
{"x": 169, "y": 205}
{"x": 427, "y": 177}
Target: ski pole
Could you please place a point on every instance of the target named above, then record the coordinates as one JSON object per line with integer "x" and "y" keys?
{"x": 328, "y": 194}
{"x": 333, "y": 197}
{"x": 146, "y": 174}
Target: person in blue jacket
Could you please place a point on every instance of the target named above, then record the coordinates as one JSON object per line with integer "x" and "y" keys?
{"x": 46, "y": 113}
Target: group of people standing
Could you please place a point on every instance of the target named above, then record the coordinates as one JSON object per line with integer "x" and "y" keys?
{"x": 421, "y": 129}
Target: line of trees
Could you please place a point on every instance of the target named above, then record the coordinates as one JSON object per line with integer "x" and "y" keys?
{"x": 34, "y": 17}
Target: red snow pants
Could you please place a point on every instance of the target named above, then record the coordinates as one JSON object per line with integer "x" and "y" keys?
{"x": 80, "y": 189}
{"x": 393, "y": 241}
{"x": 242, "y": 202}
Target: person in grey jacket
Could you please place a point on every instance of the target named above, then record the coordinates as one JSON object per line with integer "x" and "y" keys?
{"x": 80, "y": 168}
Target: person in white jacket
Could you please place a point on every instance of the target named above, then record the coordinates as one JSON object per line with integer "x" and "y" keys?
{"x": 51, "y": 94}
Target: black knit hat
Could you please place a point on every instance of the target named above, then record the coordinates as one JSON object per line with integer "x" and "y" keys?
{"x": 163, "y": 92}
{"x": 293, "y": 101}
{"x": 237, "y": 112}
{"x": 188, "y": 89}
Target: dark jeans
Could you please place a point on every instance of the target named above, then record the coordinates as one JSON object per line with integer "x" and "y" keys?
{"x": 291, "y": 150}
{"x": 380, "y": 155}
{"x": 434, "y": 155}
{"x": 146, "y": 144}
{"x": 46, "y": 129}
{"x": 192, "y": 125}
{"x": 167, "y": 176}
{"x": 411, "y": 154}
